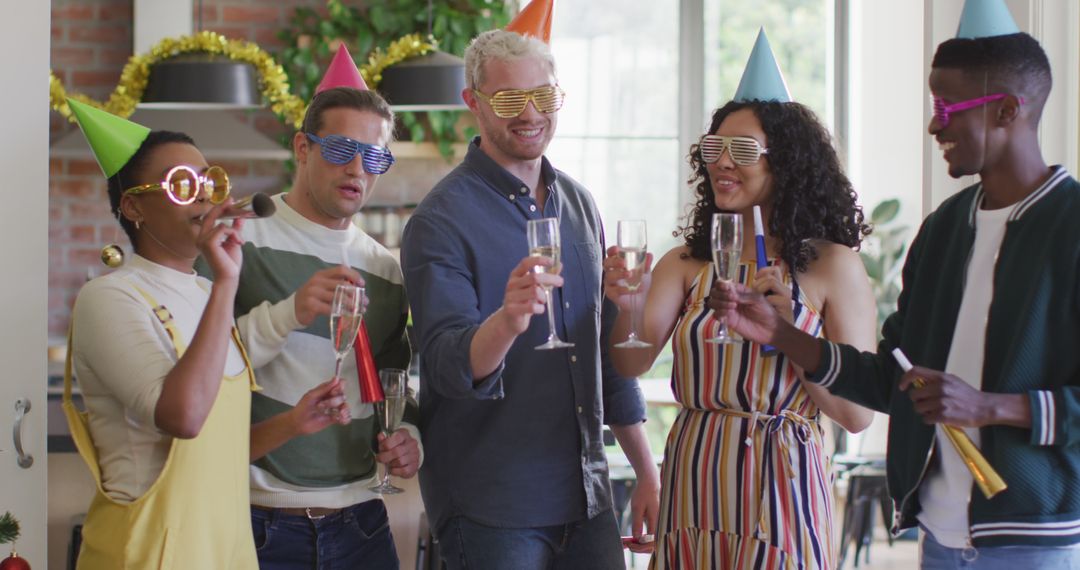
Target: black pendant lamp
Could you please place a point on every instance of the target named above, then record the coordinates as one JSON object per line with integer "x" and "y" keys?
{"x": 201, "y": 80}
{"x": 430, "y": 82}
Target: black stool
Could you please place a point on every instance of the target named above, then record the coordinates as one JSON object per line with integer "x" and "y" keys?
{"x": 866, "y": 487}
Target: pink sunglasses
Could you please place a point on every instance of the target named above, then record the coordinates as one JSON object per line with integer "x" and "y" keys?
{"x": 942, "y": 110}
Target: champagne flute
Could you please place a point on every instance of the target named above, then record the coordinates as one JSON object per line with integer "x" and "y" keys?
{"x": 633, "y": 245}
{"x": 727, "y": 239}
{"x": 388, "y": 414}
{"x": 346, "y": 314}
{"x": 543, "y": 238}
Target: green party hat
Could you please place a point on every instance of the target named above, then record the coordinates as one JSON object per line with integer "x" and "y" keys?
{"x": 113, "y": 140}
{"x": 762, "y": 79}
{"x": 984, "y": 19}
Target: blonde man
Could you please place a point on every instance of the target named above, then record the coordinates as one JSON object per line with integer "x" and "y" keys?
{"x": 515, "y": 474}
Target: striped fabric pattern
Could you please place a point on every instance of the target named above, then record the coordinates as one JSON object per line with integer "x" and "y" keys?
{"x": 1059, "y": 175}
{"x": 745, "y": 481}
{"x": 1043, "y": 430}
{"x": 1053, "y": 528}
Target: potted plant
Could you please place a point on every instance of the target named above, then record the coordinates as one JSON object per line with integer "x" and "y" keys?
{"x": 883, "y": 256}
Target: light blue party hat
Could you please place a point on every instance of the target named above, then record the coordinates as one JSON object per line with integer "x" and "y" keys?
{"x": 762, "y": 80}
{"x": 984, "y": 19}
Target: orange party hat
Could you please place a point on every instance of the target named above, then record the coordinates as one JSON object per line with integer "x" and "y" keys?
{"x": 534, "y": 20}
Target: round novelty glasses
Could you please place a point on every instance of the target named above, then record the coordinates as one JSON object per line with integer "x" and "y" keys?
{"x": 182, "y": 185}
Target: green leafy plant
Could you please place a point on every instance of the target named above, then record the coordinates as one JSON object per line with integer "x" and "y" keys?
{"x": 9, "y": 528}
{"x": 883, "y": 256}
{"x": 312, "y": 35}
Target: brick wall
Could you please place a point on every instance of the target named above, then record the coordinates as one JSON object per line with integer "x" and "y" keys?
{"x": 91, "y": 42}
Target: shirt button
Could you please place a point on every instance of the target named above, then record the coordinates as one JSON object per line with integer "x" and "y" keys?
{"x": 573, "y": 359}
{"x": 512, "y": 197}
{"x": 567, "y": 304}
{"x": 532, "y": 207}
{"x": 523, "y": 190}
{"x": 579, "y": 409}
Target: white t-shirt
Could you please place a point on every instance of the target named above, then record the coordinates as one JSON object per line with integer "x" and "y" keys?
{"x": 945, "y": 493}
{"x": 121, "y": 357}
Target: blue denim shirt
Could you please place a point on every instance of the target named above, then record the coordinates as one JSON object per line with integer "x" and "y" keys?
{"x": 522, "y": 447}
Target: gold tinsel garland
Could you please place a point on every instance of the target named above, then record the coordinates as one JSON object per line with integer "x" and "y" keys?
{"x": 129, "y": 91}
{"x": 399, "y": 50}
{"x": 272, "y": 79}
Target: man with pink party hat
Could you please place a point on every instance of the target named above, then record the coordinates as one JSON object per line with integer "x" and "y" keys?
{"x": 516, "y": 474}
{"x": 989, "y": 315}
{"x": 313, "y": 467}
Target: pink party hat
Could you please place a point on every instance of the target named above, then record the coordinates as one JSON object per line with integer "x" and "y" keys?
{"x": 342, "y": 73}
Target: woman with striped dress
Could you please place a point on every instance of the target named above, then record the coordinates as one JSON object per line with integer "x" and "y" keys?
{"x": 746, "y": 481}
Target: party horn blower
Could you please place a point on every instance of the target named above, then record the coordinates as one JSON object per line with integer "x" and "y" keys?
{"x": 762, "y": 261}
{"x": 370, "y": 387}
{"x": 988, "y": 480}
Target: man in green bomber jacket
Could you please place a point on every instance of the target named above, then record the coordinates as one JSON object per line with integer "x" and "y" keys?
{"x": 990, "y": 309}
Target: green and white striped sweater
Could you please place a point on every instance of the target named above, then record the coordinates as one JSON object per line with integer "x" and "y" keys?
{"x": 332, "y": 468}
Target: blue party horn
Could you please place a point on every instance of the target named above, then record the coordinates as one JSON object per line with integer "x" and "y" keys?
{"x": 762, "y": 261}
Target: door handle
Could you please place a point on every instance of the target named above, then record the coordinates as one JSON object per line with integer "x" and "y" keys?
{"x": 22, "y": 406}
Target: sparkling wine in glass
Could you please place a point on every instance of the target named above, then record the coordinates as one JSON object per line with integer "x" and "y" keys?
{"x": 727, "y": 240}
{"x": 633, "y": 245}
{"x": 543, "y": 238}
{"x": 346, "y": 314}
{"x": 388, "y": 413}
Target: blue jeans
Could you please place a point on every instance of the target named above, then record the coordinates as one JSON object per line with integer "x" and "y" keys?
{"x": 935, "y": 556}
{"x": 356, "y": 537}
{"x": 593, "y": 543}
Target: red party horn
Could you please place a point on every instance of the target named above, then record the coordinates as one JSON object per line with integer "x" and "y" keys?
{"x": 370, "y": 387}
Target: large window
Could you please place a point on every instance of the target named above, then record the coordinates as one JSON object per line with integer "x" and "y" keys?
{"x": 618, "y": 131}
{"x": 799, "y": 32}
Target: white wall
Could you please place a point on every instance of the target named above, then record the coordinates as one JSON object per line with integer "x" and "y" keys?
{"x": 886, "y": 117}
{"x": 24, "y": 223}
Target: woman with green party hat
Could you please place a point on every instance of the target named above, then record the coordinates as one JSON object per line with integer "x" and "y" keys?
{"x": 165, "y": 381}
{"x": 745, "y": 481}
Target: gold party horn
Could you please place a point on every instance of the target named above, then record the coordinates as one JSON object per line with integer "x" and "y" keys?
{"x": 988, "y": 480}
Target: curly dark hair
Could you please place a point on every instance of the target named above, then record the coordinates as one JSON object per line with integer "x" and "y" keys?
{"x": 811, "y": 198}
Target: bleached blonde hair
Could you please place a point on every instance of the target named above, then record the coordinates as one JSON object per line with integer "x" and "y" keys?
{"x": 501, "y": 45}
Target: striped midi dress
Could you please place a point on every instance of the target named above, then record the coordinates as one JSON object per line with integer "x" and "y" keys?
{"x": 745, "y": 482}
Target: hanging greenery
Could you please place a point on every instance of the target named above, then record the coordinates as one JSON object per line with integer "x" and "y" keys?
{"x": 312, "y": 36}
{"x": 9, "y": 528}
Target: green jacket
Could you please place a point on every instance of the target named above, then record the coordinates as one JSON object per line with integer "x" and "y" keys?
{"x": 1032, "y": 347}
